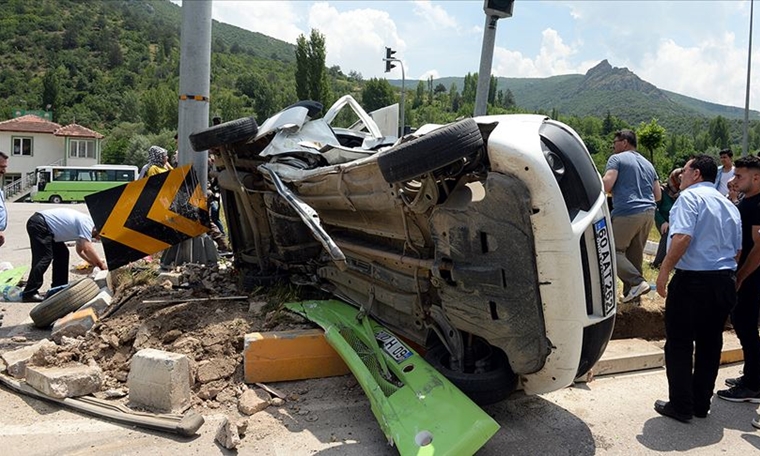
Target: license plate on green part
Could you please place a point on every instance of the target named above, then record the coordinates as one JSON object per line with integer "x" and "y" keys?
{"x": 393, "y": 347}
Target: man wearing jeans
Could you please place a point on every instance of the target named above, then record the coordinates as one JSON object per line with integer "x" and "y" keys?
{"x": 704, "y": 245}
{"x": 635, "y": 192}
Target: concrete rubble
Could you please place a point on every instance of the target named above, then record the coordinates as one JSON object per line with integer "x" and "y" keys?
{"x": 17, "y": 360}
{"x": 253, "y": 401}
{"x": 228, "y": 434}
{"x": 159, "y": 381}
{"x": 61, "y": 382}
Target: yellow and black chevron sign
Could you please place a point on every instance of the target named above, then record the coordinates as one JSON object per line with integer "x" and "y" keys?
{"x": 149, "y": 215}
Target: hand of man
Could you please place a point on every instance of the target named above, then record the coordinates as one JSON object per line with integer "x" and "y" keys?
{"x": 664, "y": 227}
{"x": 2, "y": 238}
{"x": 662, "y": 283}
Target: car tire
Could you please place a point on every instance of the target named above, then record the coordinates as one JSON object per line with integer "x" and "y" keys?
{"x": 226, "y": 133}
{"x": 64, "y": 302}
{"x": 483, "y": 388}
{"x": 430, "y": 152}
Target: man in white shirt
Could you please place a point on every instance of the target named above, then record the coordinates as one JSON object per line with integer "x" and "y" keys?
{"x": 725, "y": 171}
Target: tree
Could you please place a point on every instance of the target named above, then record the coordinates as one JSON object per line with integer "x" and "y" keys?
{"x": 419, "y": 96}
{"x": 492, "y": 90}
{"x": 454, "y": 97}
{"x": 720, "y": 135}
{"x": 377, "y": 93}
{"x": 50, "y": 89}
{"x": 311, "y": 74}
{"x": 509, "y": 100}
{"x": 650, "y": 137}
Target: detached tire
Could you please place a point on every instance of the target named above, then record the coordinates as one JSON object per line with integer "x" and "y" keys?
{"x": 226, "y": 133}
{"x": 483, "y": 388}
{"x": 64, "y": 302}
{"x": 429, "y": 152}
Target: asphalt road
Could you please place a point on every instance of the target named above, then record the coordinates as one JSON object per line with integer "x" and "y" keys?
{"x": 609, "y": 416}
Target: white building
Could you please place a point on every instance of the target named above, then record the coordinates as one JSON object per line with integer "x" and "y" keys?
{"x": 31, "y": 141}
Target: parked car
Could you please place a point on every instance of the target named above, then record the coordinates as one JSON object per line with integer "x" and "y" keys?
{"x": 485, "y": 242}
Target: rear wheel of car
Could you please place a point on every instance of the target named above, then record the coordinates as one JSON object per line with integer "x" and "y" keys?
{"x": 64, "y": 302}
{"x": 430, "y": 152}
{"x": 229, "y": 132}
{"x": 494, "y": 381}
{"x": 55, "y": 199}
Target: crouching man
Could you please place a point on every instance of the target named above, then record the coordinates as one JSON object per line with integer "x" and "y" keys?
{"x": 48, "y": 231}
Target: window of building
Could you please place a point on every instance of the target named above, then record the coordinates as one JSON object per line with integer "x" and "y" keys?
{"x": 22, "y": 146}
{"x": 82, "y": 148}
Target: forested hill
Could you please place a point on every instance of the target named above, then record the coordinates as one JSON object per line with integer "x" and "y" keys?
{"x": 607, "y": 89}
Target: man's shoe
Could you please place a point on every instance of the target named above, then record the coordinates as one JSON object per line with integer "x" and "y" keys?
{"x": 701, "y": 413}
{"x": 640, "y": 289}
{"x": 32, "y": 298}
{"x": 740, "y": 394}
{"x": 665, "y": 409}
{"x": 736, "y": 381}
{"x": 756, "y": 422}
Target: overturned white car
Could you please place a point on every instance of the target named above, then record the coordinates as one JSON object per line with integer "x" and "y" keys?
{"x": 485, "y": 241}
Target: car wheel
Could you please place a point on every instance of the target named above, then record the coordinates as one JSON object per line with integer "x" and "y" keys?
{"x": 430, "y": 152}
{"x": 55, "y": 199}
{"x": 229, "y": 132}
{"x": 64, "y": 302}
{"x": 493, "y": 384}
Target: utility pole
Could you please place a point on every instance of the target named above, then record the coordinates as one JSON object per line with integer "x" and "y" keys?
{"x": 388, "y": 67}
{"x": 495, "y": 10}
{"x": 194, "y": 90}
{"x": 745, "y": 136}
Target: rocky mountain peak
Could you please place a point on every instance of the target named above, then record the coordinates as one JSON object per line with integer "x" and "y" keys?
{"x": 606, "y": 77}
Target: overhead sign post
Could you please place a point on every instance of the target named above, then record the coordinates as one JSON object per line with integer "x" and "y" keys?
{"x": 495, "y": 10}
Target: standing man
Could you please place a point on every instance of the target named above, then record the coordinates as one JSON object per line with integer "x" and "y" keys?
{"x": 744, "y": 316}
{"x": 705, "y": 242}
{"x": 725, "y": 171}
{"x": 635, "y": 192}
{"x": 3, "y": 211}
{"x": 49, "y": 230}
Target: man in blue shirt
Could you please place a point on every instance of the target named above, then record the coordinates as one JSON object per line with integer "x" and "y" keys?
{"x": 3, "y": 212}
{"x": 49, "y": 230}
{"x": 704, "y": 246}
{"x": 635, "y": 191}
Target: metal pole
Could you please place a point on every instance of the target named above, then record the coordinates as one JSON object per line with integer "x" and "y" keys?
{"x": 403, "y": 92}
{"x": 486, "y": 59}
{"x": 194, "y": 91}
{"x": 745, "y": 137}
{"x": 194, "y": 82}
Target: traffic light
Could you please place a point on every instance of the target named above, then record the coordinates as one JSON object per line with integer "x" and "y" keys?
{"x": 499, "y": 8}
{"x": 389, "y": 59}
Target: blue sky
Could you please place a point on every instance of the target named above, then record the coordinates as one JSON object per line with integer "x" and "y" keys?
{"x": 696, "y": 48}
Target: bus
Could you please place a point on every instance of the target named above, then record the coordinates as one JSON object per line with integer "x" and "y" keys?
{"x": 59, "y": 184}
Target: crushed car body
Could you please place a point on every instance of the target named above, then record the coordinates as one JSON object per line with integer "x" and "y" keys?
{"x": 486, "y": 241}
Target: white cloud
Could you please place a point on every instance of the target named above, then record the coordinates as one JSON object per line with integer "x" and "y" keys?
{"x": 714, "y": 69}
{"x": 356, "y": 39}
{"x": 434, "y": 73}
{"x": 276, "y": 19}
{"x": 554, "y": 58}
{"x": 434, "y": 15}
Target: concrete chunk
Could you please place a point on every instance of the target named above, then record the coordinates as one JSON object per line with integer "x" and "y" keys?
{"x": 253, "y": 401}
{"x": 174, "y": 277}
{"x": 100, "y": 302}
{"x": 159, "y": 380}
{"x": 16, "y": 360}
{"x": 103, "y": 279}
{"x": 228, "y": 434}
{"x": 61, "y": 382}
{"x": 74, "y": 324}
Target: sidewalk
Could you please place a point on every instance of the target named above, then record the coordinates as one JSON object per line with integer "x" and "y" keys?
{"x": 631, "y": 355}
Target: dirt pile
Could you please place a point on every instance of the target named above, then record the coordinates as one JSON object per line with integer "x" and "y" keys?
{"x": 645, "y": 320}
{"x": 196, "y": 319}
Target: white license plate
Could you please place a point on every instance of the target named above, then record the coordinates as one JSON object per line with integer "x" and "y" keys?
{"x": 393, "y": 346}
{"x": 604, "y": 254}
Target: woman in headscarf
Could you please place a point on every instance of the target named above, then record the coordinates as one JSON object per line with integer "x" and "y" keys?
{"x": 158, "y": 161}
{"x": 670, "y": 192}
